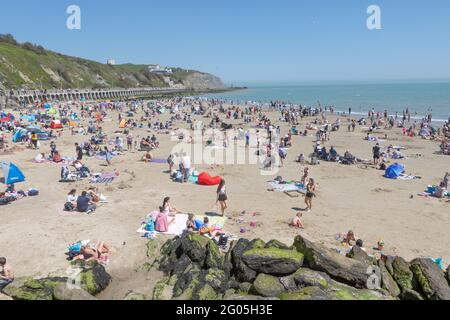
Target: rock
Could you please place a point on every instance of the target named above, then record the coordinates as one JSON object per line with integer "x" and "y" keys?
{"x": 307, "y": 293}
{"x": 256, "y": 244}
{"x": 273, "y": 261}
{"x": 205, "y": 292}
{"x": 339, "y": 291}
{"x": 359, "y": 254}
{"x": 229, "y": 293}
{"x": 217, "y": 279}
{"x": 431, "y": 279}
{"x": 409, "y": 294}
{"x": 33, "y": 289}
{"x": 173, "y": 280}
{"x": 189, "y": 278}
{"x": 134, "y": 296}
{"x": 245, "y": 287}
{"x": 162, "y": 291}
{"x": 168, "y": 262}
{"x": 65, "y": 292}
{"x": 179, "y": 265}
{"x": 244, "y": 273}
{"x": 18, "y": 291}
{"x": 94, "y": 279}
{"x": 188, "y": 293}
{"x": 388, "y": 263}
{"x": 309, "y": 278}
{"x": 238, "y": 250}
{"x": 288, "y": 283}
{"x": 228, "y": 263}
{"x": 233, "y": 284}
{"x": 276, "y": 244}
{"x": 387, "y": 282}
{"x": 152, "y": 249}
{"x": 402, "y": 274}
{"x": 267, "y": 286}
{"x": 447, "y": 274}
{"x": 194, "y": 246}
{"x": 214, "y": 258}
{"x": 319, "y": 258}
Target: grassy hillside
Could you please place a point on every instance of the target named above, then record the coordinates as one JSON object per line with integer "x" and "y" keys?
{"x": 32, "y": 67}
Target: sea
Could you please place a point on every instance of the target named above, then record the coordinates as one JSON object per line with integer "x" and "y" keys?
{"x": 420, "y": 98}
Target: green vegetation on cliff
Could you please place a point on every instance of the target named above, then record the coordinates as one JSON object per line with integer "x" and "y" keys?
{"x": 33, "y": 67}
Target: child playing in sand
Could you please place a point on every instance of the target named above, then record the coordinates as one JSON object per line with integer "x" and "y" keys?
{"x": 348, "y": 238}
{"x": 210, "y": 230}
{"x": 296, "y": 221}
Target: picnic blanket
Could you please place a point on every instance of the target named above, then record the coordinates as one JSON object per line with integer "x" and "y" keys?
{"x": 179, "y": 225}
{"x": 104, "y": 178}
{"x": 159, "y": 161}
{"x": 280, "y": 187}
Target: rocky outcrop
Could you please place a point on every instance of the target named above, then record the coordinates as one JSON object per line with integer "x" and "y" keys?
{"x": 340, "y": 268}
{"x": 273, "y": 260}
{"x": 447, "y": 275}
{"x": 387, "y": 282}
{"x": 203, "y": 81}
{"x": 93, "y": 279}
{"x": 197, "y": 269}
{"x": 267, "y": 286}
{"x": 431, "y": 279}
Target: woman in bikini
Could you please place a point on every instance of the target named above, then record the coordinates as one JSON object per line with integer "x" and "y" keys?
{"x": 310, "y": 194}
{"x": 93, "y": 252}
{"x": 222, "y": 196}
{"x": 168, "y": 209}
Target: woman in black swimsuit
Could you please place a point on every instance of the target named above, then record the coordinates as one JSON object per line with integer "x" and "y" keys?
{"x": 310, "y": 193}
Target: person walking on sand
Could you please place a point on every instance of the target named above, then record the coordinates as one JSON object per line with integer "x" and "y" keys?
{"x": 222, "y": 197}
{"x": 108, "y": 156}
{"x": 310, "y": 194}
{"x": 376, "y": 154}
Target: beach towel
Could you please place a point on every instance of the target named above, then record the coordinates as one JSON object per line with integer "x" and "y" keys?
{"x": 177, "y": 227}
{"x": 104, "y": 178}
{"x": 216, "y": 221}
{"x": 159, "y": 161}
{"x": 286, "y": 187}
{"x": 193, "y": 179}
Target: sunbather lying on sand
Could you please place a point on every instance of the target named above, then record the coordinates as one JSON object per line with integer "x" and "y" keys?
{"x": 93, "y": 252}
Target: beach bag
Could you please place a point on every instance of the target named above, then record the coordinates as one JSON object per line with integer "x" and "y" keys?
{"x": 223, "y": 240}
{"x": 68, "y": 206}
{"x": 150, "y": 226}
{"x": 33, "y": 192}
{"x": 198, "y": 224}
{"x": 75, "y": 248}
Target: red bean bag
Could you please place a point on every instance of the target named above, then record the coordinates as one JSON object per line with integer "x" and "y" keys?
{"x": 205, "y": 179}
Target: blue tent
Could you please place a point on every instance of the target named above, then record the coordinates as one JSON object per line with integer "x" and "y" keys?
{"x": 394, "y": 171}
{"x": 12, "y": 173}
{"x": 19, "y": 135}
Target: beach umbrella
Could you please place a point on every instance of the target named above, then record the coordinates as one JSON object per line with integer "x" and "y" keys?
{"x": 11, "y": 173}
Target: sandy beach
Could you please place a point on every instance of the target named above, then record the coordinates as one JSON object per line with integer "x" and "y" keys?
{"x": 35, "y": 231}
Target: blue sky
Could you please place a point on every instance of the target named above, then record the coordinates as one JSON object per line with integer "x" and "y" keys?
{"x": 249, "y": 41}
